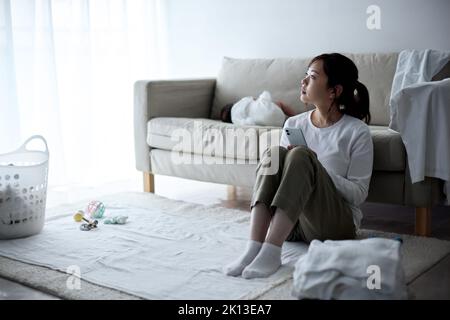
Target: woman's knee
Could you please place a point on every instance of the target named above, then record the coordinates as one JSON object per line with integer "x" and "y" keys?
{"x": 275, "y": 151}
{"x": 301, "y": 160}
{"x": 301, "y": 152}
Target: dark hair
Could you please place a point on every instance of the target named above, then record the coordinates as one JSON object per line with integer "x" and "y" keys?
{"x": 225, "y": 113}
{"x": 354, "y": 99}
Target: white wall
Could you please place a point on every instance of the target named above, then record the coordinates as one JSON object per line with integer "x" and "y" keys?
{"x": 201, "y": 32}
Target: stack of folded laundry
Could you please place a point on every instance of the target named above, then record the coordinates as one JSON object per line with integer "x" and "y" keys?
{"x": 351, "y": 269}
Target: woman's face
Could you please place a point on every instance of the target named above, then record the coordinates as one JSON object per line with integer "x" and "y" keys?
{"x": 314, "y": 89}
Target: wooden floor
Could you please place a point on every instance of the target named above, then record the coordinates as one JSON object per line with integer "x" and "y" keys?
{"x": 434, "y": 284}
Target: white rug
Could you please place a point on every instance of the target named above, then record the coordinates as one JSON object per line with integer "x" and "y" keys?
{"x": 168, "y": 250}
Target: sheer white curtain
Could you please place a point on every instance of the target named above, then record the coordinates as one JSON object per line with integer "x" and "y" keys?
{"x": 67, "y": 69}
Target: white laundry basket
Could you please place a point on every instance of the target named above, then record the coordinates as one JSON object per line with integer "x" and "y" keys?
{"x": 23, "y": 191}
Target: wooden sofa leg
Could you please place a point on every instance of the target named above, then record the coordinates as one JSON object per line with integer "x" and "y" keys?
{"x": 149, "y": 182}
{"x": 423, "y": 221}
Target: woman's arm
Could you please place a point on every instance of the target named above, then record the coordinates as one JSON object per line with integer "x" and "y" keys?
{"x": 288, "y": 111}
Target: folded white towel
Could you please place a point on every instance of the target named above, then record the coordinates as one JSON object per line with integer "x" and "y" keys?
{"x": 350, "y": 269}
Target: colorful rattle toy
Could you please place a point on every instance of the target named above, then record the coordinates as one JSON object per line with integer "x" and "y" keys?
{"x": 90, "y": 226}
{"x": 78, "y": 217}
{"x": 95, "y": 209}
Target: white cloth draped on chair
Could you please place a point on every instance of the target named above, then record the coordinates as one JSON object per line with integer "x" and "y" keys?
{"x": 420, "y": 113}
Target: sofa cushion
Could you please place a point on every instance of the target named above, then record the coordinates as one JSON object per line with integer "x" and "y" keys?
{"x": 232, "y": 172}
{"x": 215, "y": 138}
{"x": 389, "y": 151}
{"x": 205, "y": 136}
{"x": 282, "y": 76}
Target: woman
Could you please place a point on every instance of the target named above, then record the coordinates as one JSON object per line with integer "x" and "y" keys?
{"x": 317, "y": 190}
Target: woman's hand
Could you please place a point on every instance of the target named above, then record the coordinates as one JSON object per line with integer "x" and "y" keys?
{"x": 289, "y": 147}
{"x": 288, "y": 111}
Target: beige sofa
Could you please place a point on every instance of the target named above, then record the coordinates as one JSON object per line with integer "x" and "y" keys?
{"x": 166, "y": 112}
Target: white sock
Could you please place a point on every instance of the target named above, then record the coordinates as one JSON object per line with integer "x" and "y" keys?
{"x": 235, "y": 269}
{"x": 266, "y": 262}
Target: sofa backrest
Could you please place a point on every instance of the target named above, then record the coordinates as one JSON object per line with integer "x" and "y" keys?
{"x": 239, "y": 78}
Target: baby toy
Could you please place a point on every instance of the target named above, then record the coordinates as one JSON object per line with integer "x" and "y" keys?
{"x": 78, "y": 217}
{"x": 116, "y": 220}
{"x": 95, "y": 209}
{"x": 91, "y": 224}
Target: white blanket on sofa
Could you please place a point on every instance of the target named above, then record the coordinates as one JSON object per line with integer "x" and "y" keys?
{"x": 261, "y": 112}
{"x": 420, "y": 112}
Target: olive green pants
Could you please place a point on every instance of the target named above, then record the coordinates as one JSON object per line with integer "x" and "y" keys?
{"x": 300, "y": 186}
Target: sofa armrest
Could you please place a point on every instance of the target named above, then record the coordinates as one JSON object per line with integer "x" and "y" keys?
{"x": 167, "y": 98}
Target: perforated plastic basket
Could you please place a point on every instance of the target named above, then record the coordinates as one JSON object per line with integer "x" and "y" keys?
{"x": 23, "y": 190}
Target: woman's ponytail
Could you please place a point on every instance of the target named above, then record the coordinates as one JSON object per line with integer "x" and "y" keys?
{"x": 354, "y": 101}
{"x": 362, "y": 102}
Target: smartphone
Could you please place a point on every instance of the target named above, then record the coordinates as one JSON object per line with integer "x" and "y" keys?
{"x": 295, "y": 136}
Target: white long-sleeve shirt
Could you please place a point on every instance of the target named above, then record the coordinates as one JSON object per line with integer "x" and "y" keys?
{"x": 345, "y": 149}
